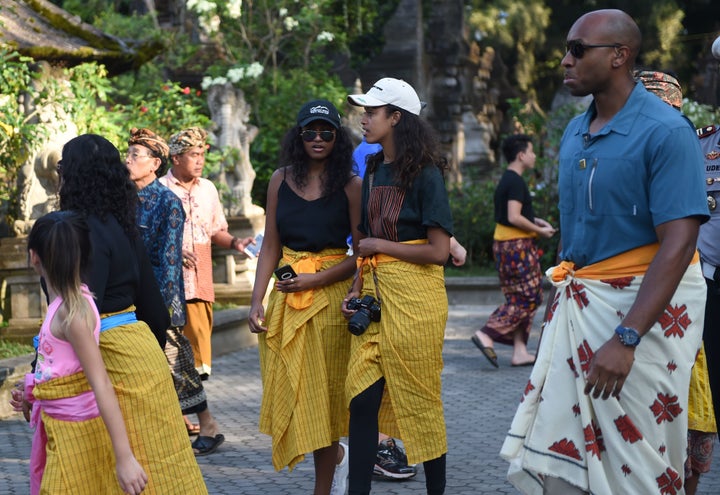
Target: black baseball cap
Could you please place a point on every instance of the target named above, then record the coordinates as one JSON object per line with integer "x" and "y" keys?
{"x": 319, "y": 110}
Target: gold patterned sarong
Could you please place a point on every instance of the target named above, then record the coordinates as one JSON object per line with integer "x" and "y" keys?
{"x": 140, "y": 376}
{"x": 405, "y": 347}
{"x": 303, "y": 359}
{"x": 79, "y": 454}
{"x": 635, "y": 441}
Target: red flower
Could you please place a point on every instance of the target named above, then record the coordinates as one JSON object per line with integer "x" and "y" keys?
{"x": 143, "y": 109}
{"x": 585, "y": 353}
{"x": 675, "y": 321}
{"x": 671, "y": 366}
{"x": 567, "y": 448}
{"x": 665, "y": 407}
{"x": 198, "y": 92}
{"x": 669, "y": 482}
{"x": 627, "y": 429}
{"x": 662, "y": 449}
{"x": 593, "y": 440}
{"x": 576, "y": 410}
{"x": 626, "y": 469}
{"x": 165, "y": 87}
{"x": 186, "y": 90}
{"x": 540, "y": 253}
{"x": 528, "y": 388}
{"x": 571, "y": 364}
{"x": 619, "y": 283}
{"x": 577, "y": 292}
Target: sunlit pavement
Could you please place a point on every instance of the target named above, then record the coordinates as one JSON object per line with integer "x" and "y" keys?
{"x": 479, "y": 403}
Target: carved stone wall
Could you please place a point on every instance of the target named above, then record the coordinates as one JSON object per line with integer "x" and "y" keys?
{"x": 451, "y": 74}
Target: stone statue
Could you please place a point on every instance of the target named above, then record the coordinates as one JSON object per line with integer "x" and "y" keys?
{"x": 230, "y": 113}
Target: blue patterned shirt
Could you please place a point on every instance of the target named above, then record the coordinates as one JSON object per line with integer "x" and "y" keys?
{"x": 160, "y": 219}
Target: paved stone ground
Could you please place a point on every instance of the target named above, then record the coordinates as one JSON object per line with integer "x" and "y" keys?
{"x": 479, "y": 403}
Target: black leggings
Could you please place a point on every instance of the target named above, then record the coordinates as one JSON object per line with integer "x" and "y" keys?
{"x": 364, "y": 410}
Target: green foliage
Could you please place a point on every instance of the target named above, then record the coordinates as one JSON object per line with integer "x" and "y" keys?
{"x": 700, "y": 115}
{"x": 10, "y": 349}
{"x": 166, "y": 109}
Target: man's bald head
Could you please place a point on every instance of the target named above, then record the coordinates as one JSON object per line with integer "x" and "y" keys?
{"x": 612, "y": 26}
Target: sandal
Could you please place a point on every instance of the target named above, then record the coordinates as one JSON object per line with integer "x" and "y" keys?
{"x": 207, "y": 445}
{"x": 488, "y": 352}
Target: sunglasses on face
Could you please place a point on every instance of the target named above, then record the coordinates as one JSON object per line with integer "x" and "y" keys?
{"x": 577, "y": 48}
{"x": 309, "y": 135}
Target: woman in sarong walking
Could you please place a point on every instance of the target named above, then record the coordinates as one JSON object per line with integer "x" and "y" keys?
{"x": 396, "y": 357}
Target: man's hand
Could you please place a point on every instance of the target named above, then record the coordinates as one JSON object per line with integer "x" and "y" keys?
{"x": 609, "y": 368}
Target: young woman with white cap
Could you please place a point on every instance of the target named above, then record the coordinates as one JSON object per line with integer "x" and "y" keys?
{"x": 395, "y": 363}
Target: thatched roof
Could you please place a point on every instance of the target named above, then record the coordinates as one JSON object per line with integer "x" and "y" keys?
{"x": 43, "y": 31}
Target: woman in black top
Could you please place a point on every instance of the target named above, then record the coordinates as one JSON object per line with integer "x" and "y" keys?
{"x": 95, "y": 182}
{"x": 313, "y": 205}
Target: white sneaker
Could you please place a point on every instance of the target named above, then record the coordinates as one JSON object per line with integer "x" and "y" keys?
{"x": 339, "y": 483}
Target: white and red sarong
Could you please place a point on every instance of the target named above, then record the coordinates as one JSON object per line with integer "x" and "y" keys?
{"x": 635, "y": 443}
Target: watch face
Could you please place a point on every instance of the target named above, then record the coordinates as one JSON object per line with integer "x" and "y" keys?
{"x": 628, "y": 336}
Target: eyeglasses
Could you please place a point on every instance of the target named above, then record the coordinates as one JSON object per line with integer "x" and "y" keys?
{"x": 577, "y": 48}
{"x": 136, "y": 156}
{"x": 309, "y": 135}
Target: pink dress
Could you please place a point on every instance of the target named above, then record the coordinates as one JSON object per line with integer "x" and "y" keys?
{"x": 56, "y": 358}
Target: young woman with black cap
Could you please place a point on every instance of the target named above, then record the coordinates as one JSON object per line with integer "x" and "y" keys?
{"x": 313, "y": 204}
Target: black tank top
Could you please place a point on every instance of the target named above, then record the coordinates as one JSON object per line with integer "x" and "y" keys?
{"x": 312, "y": 225}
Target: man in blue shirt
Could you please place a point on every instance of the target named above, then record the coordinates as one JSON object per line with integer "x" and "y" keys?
{"x": 631, "y": 204}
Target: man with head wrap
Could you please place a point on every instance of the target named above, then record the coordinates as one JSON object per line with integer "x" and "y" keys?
{"x": 160, "y": 220}
{"x": 205, "y": 225}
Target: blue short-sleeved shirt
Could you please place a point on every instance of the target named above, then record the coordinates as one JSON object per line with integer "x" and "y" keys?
{"x": 644, "y": 168}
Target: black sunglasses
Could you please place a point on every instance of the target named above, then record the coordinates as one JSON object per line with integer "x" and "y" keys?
{"x": 309, "y": 135}
{"x": 577, "y": 48}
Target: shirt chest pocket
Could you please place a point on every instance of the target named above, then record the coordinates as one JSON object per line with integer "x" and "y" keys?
{"x": 617, "y": 187}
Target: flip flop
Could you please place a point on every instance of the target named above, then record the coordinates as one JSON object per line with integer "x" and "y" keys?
{"x": 488, "y": 352}
{"x": 207, "y": 445}
{"x": 526, "y": 363}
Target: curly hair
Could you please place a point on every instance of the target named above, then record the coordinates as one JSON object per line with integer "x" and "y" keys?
{"x": 339, "y": 167}
{"x": 94, "y": 180}
{"x": 416, "y": 147}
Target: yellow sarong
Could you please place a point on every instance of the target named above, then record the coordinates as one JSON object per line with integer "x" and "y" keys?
{"x": 405, "y": 347}
{"x": 303, "y": 360}
{"x": 79, "y": 454}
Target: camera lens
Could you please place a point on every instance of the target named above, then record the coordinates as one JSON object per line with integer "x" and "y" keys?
{"x": 359, "y": 322}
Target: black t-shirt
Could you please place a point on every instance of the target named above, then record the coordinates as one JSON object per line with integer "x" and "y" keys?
{"x": 512, "y": 187}
{"x": 397, "y": 214}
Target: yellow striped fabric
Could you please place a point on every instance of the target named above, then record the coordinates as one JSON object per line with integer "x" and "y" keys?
{"x": 405, "y": 347}
{"x": 140, "y": 375}
{"x": 303, "y": 359}
{"x": 701, "y": 416}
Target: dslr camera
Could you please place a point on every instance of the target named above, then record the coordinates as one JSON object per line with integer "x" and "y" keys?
{"x": 368, "y": 310}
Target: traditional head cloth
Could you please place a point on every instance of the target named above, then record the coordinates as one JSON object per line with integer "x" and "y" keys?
{"x": 663, "y": 85}
{"x": 186, "y": 139}
{"x": 147, "y": 138}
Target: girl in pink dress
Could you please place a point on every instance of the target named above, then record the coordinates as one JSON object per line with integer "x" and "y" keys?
{"x": 71, "y": 451}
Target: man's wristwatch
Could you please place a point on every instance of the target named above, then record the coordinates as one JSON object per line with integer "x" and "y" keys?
{"x": 628, "y": 336}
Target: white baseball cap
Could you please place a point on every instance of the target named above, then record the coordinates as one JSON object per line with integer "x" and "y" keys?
{"x": 389, "y": 91}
